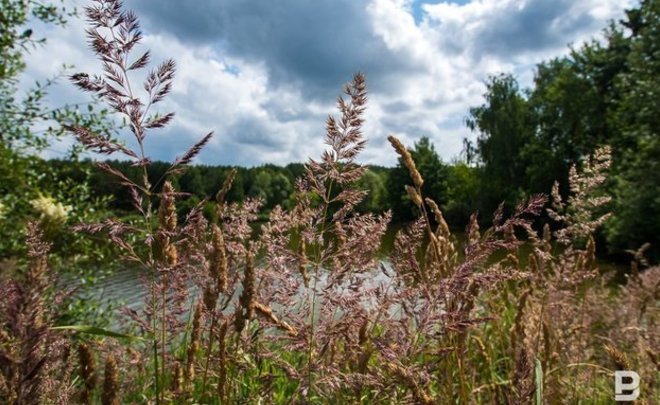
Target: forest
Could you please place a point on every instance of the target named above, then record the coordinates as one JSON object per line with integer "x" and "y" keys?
{"x": 268, "y": 284}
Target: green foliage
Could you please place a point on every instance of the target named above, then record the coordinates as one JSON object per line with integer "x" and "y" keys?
{"x": 637, "y": 182}
{"x": 31, "y": 188}
{"x": 504, "y": 128}
{"x": 602, "y": 93}
{"x": 273, "y": 187}
{"x": 375, "y": 181}
{"x": 463, "y": 188}
{"x": 16, "y": 37}
{"x": 26, "y": 124}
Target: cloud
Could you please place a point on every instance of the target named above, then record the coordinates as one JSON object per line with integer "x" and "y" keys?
{"x": 312, "y": 45}
{"x": 263, "y": 75}
{"x": 509, "y": 28}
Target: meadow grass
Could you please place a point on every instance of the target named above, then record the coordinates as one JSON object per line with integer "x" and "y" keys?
{"x": 317, "y": 319}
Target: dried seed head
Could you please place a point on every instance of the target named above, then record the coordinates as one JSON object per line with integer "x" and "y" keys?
{"x": 193, "y": 347}
{"x": 226, "y": 186}
{"x": 222, "y": 359}
{"x": 363, "y": 335}
{"x": 513, "y": 259}
{"x": 267, "y": 313}
{"x": 110, "y": 395}
{"x": 405, "y": 377}
{"x": 439, "y": 218}
{"x": 38, "y": 254}
{"x": 219, "y": 264}
{"x": 547, "y": 234}
{"x": 167, "y": 209}
{"x": 407, "y": 161}
{"x": 87, "y": 371}
{"x": 618, "y": 357}
{"x": 473, "y": 234}
{"x": 177, "y": 378}
{"x": 590, "y": 252}
{"x": 245, "y": 311}
{"x": 210, "y": 298}
{"x": 414, "y": 196}
{"x": 341, "y": 234}
{"x": 249, "y": 286}
{"x": 170, "y": 255}
{"x": 239, "y": 320}
{"x": 168, "y": 222}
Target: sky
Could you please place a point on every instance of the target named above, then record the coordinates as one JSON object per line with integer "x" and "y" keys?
{"x": 263, "y": 75}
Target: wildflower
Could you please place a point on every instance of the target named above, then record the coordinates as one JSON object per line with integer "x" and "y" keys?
{"x": 51, "y": 211}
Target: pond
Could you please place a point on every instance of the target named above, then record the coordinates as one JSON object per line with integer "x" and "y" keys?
{"x": 124, "y": 286}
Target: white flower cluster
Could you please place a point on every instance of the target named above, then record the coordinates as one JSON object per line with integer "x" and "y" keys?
{"x": 51, "y": 211}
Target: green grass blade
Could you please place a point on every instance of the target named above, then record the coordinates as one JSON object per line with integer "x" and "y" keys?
{"x": 93, "y": 330}
{"x": 538, "y": 380}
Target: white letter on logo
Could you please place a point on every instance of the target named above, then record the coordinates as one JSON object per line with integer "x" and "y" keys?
{"x": 620, "y": 386}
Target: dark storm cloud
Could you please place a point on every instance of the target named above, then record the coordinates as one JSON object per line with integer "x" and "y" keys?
{"x": 313, "y": 45}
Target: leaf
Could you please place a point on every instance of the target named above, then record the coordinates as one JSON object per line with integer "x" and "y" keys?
{"x": 538, "y": 381}
{"x": 93, "y": 330}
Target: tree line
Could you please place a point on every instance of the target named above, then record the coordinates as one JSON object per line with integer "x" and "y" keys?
{"x": 605, "y": 92}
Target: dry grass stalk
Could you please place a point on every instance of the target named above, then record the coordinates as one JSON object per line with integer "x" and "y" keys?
{"x": 168, "y": 223}
{"x": 31, "y": 355}
{"x": 177, "y": 383}
{"x": 247, "y": 299}
{"x": 619, "y": 358}
{"x": 88, "y": 373}
{"x": 193, "y": 348}
{"x": 221, "y": 196}
{"x": 222, "y": 361}
{"x": 406, "y": 378}
{"x": 518, "y": 328}
{"x": 302, "y": 262}
{"x": 414, "y": 196}
{"x": 267, "y": 313}
{"x": 407, "y": 161}
{"x": 110, "y": 394}
{"x": 219, "y": 265}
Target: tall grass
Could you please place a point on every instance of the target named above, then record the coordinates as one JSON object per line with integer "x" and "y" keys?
{"x": 304, "y": 311}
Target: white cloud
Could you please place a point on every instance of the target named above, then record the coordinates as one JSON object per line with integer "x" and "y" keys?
{"x": 265, "y": 106}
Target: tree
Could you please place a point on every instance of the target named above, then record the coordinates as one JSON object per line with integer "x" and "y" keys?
{"x": 21, "y": 178}
{"x": 605, "y": 92}
{"x": 637, "y": 175}
{"x": 504, "y": 127}
{"x": 375, "y": 183}
{"x": 462, "y": 193}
